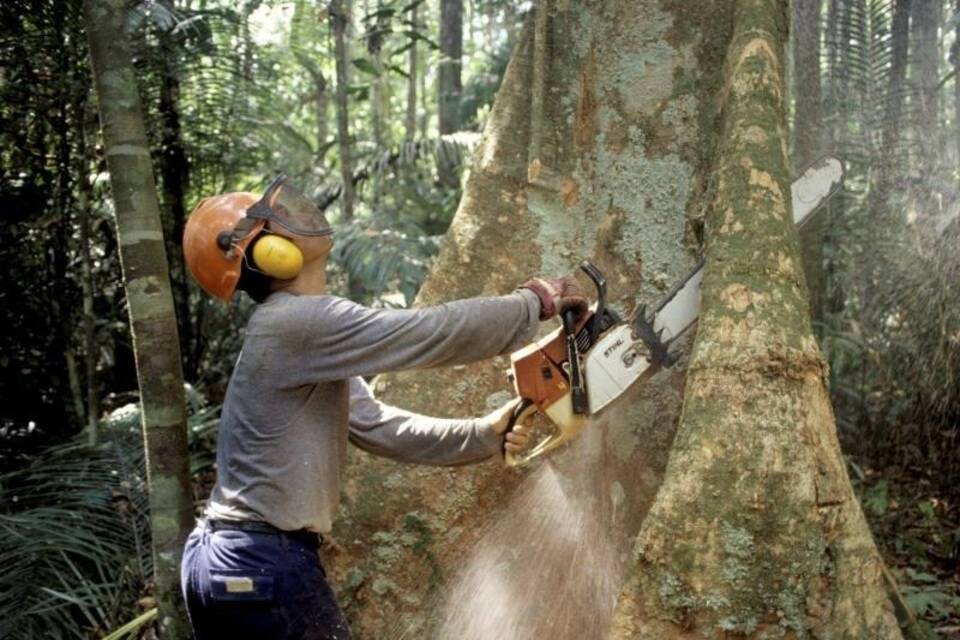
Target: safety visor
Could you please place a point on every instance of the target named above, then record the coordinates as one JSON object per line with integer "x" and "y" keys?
{"x": 291, "y": 209}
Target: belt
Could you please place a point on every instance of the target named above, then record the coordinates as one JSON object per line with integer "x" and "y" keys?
{"x": 251, "y": 526}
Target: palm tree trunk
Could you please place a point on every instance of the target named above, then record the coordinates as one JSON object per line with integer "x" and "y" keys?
{"x": 150, "y": 303}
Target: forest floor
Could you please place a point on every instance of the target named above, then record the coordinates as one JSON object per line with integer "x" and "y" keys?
{"x": 917, "y": 527}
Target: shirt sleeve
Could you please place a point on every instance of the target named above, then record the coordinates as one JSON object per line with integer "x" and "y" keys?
{"x": 404, "y": 436}
{"x": 323, "y": 338}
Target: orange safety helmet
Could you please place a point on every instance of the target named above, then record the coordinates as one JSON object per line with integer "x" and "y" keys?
{"x": 220, "y": 229}
{"x": 211, "y": 250}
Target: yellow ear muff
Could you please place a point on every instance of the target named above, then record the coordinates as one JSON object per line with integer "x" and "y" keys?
{"x": 277, "y": 257}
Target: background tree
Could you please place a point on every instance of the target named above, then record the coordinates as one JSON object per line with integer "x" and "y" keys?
{"x": 340, "y": 21}
{"x": 152, "y": 320}
{"x": 449, "y": 79}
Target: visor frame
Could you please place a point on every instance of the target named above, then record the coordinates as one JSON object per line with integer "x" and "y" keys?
{"x": 262, "y": 210}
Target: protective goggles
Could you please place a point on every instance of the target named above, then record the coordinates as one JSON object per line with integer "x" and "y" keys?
{"x": 291, "y": 209}
{"x": 285, "y": 205}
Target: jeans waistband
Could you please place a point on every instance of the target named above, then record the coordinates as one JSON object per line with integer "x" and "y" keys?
{"x": 250, "y": 526}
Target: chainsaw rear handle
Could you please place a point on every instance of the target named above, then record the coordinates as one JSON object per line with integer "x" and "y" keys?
{"x": 518, "y": 415}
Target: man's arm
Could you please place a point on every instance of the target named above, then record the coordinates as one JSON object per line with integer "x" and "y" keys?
{"x": 409, "y": 437}
{"x": 319, "y": 338}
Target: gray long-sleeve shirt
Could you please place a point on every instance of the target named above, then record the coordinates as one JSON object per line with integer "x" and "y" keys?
{"x": 296, "y": 397}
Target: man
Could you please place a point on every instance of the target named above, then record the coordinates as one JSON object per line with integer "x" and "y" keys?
{"x": 297, "y": 395}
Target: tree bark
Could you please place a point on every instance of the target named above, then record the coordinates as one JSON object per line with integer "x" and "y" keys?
{"x": 89, "y": 318}
{"x": 174, "y": 171}
{"x": 806, "y": 78}
{"x": 450, "y": 87}
{"x": 150, "y": 303}
{"x": 449, "y": 83}
{"x": 755, "y": 531}
{"x": 380, "y": 85}
{"x": 339, "y": 20}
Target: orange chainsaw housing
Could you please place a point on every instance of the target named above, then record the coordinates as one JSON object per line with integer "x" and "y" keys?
{"x": 538, "y": 368}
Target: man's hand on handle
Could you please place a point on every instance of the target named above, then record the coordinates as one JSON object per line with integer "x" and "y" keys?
{"x": 518, "y": 439}
{"x": 557, "y": 295}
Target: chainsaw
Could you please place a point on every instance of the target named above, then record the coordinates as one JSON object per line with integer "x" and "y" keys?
{"x": 581, "y": 368}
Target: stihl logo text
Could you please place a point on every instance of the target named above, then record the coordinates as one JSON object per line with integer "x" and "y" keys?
{"x": 609, "y": 350}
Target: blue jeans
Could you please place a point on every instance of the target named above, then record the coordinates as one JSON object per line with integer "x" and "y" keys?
{"x": 249, "y": 585}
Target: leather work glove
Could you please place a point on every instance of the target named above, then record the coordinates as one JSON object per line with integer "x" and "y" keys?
{"x": 557, "y": 295}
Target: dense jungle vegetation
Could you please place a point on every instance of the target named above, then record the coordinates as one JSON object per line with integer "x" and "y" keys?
{"x": 237, "y": 92}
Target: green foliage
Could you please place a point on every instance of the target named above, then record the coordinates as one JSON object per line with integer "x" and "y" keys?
{"x": 403, "y": 213}
{"x": 928, "y": 598}
{"x": 893, "y": 313}
{"x": 876, "y": 499}
{"x": 74, "y": 539}
{"x": 75, "y": 532}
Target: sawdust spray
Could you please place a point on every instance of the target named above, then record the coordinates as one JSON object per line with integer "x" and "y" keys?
{"x": 552, "y": 564}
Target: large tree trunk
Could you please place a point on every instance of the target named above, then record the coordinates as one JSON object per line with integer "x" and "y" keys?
{"x": 598, "y": 146}
{"x": 617, "y": 175}
{"x": 755, "y": 531}
{"x": 153, "y": 324}
{"x": 339, "y": 21}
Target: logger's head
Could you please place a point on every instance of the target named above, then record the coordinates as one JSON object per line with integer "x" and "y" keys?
{"x": 239, "y": 241}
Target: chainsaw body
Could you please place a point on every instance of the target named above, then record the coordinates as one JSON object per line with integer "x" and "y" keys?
{"x": 581, "y": 368}
{"x": 598, "y": 355}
